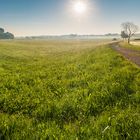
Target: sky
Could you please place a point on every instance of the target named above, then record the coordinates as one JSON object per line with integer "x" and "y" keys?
{"x": 58, "y": 17}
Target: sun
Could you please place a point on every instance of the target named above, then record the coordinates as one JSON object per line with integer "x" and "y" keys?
{"x": 80, "y": 7}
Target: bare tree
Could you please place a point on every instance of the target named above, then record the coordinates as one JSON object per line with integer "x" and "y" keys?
{"x": 129, "y": 29}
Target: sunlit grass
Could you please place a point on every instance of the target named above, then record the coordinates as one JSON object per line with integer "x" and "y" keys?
{"x": 67, "y": 90}
{"x": 132, "y": 46}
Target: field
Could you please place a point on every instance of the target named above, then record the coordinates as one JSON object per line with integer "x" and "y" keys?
{"x": 67, "y": 90}
{"x": 135, "y": 45}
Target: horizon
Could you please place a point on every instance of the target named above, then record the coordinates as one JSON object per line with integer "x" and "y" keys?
{"x": 59, "y": 35}
{"x": 57, "y": 17}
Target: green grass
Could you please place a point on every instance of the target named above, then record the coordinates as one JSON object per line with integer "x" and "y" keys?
{"x": 67, "y": 90}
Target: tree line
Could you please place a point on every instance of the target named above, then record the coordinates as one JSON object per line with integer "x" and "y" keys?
{"x": 5, "y": 35}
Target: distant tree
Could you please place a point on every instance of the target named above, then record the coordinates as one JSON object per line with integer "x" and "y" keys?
{"x": 124, "y": 35}
{"x": 6, "y": 35}
{"x": 129, "y": 29}
{"x": 9, "y": 35}
{"x": 1, "y": 30}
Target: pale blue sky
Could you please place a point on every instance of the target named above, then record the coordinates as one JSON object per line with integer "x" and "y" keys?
{"x": 54, "y": 17}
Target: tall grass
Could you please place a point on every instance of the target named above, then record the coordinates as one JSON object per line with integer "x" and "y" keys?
{"x": 67, "y": 90}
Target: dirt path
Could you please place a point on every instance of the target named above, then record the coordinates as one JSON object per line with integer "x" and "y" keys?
{"x": 131, "y": 55}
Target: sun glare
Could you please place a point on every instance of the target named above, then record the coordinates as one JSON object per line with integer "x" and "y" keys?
{"x": 80, "y": 7}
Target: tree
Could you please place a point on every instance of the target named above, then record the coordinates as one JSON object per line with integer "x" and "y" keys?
{"x": 124, "y": 35}
{"x": 129, "y": 29}
{"x": 9, "y": 35}
{"x": 1, "y": 30}
{"x": 6, "y": 35}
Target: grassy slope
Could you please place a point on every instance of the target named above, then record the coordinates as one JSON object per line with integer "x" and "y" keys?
{"x": 67, "y": 90}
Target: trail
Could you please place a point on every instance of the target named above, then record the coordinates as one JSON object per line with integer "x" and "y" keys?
{"x": 131, "y": 55}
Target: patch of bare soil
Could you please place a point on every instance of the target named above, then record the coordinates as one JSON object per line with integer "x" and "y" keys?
{"x": 131, "y": 55}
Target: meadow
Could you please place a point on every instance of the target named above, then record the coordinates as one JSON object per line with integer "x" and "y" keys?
{"x": 67, "y": 90}
{"x": 135, "y": 45}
